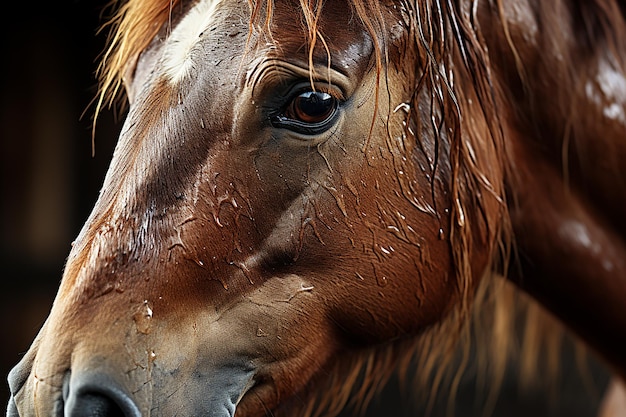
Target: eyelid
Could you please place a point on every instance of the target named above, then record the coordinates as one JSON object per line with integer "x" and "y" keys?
{"x": 325, "y": 87}
{"x": 272, "y": 75}
{"x": 318, "y": 86}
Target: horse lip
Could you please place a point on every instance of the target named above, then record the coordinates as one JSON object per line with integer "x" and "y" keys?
{"x": 12, "y": 408}
{"x": 20, "y": 381}
{"x": 18, "y": 376}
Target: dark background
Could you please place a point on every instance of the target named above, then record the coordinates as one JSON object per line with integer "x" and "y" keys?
{"x": 49, "y": 182}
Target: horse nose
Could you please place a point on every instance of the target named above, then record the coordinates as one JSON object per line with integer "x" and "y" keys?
{"x": 94, "y": 405}
{"x": 96, "y": 395}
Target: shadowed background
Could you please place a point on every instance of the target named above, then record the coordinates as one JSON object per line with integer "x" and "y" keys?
{"x": 50, "y": 181}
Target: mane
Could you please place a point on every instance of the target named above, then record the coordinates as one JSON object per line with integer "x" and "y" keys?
{"x": 456, "y": 68}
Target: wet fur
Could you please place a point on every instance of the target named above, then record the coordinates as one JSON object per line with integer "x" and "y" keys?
{"x": 455, "y": 66}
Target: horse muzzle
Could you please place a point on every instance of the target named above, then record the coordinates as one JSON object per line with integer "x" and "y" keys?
{"x": 97, "y": 390}
{"x": 81, "y": 394}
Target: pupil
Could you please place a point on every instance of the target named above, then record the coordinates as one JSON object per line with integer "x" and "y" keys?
{"x": 314, "y": 105}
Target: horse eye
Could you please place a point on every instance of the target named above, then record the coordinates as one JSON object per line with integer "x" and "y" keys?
{"x": 308, "y": 113}
{"x": 311, "y": 107}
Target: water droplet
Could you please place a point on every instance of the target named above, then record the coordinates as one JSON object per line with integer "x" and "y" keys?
{"x": 246, "y": 271}
{"x": 382, "y": 280}
{"x": 442, "y": 235}
{"x": 107, "y": 289}
{"x": 339, "y": 198}
{"x": 216, "y": 217}
{"x": 143, "y": 317}
{"x": 119, "y": 288}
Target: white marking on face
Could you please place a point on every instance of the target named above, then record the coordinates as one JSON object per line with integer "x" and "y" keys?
{"x": 177, "y": 54}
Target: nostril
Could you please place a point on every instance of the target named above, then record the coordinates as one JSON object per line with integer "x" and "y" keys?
{"x": 94, "y": 405}
{"x": 96, "y": 395}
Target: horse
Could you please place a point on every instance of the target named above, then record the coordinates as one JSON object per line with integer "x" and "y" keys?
{"x": 307, "y": 195}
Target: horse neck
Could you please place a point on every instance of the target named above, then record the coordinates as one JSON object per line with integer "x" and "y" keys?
{"x": 562, "y": 85}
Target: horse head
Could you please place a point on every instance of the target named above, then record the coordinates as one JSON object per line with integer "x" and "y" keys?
{"x": 298, "y": 188}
